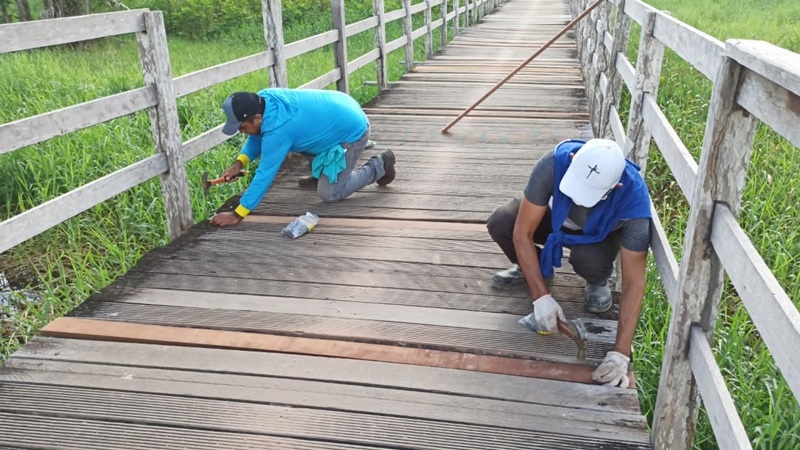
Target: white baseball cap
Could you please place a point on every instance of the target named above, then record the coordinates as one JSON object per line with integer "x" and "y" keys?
{"x": 595, "y": 169}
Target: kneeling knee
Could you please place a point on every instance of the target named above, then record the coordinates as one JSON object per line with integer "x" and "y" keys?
{"x": 330, "y": 197}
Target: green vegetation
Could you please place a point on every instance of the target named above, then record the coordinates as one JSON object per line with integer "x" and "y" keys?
{"x": 768, "y": 215}
{"x": 86, "y": 253}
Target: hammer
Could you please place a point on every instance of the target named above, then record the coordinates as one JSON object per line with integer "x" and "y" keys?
{"x": 575, "y": 330}
{"x": 207, "y": 184}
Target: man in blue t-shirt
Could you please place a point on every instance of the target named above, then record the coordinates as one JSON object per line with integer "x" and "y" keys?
{"x": 329, "y": 128}
{"x": 587, "y": 197}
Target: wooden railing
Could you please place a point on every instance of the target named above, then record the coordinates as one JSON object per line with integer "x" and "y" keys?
{"x": 752, "y": 81}
{"x": 160, "y": 92}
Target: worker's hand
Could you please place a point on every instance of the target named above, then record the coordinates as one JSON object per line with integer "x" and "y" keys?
{"x": 546, "y": 312}
{"x": 232, "y": 171}
{"x": 225, "y": 219}
{"x": 613, "y": 371}
{"x": 545, "y": 315}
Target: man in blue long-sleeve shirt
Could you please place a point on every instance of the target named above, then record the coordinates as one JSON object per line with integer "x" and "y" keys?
{"x": 327, "y": 127}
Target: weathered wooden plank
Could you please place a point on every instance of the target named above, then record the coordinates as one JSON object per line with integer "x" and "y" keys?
{"x": 340, "y": 46}
{"x": 394, "y": 15}
{"x": 381, "y": 224}
{"x": 699, "y": 49}
{"x": 363, "y": 60}
{"x": 111, "y": 357}
{"x": 617, "y": 129}
{"x": 310, "y": 44}
{"x": 776, "y": 64}
{"x": 361, "y": 26}
{"x": 323, "y": 80}
{"x": 728, "y": 429}
{"x": 648, "y": 74}
{"x": 666, "y": 263}
{"x": 773, "y": 312}
{"x": 165, "y": 124}
{"x": 468, "y": 302}
{"x": 32, "y": 130}
{"x": 155, "y": 334}
{"x": 272, "y": 18}
{"x": 599, "y": 330}
{"x": 680, "y": 161}
{"x": 727, "y": 147}
{"x": 774, "y": 105}
{"x": 381, "y": 69}
{"x": 201, "y": 143}
{"x": 195, "y": 81}
{"x": 83, "y": 433}
{"x": 418, "y": 7}
{"x": 34, "y": 221}
{"x": 395, "y": 44}
{"x": 27, "y": 387}
{"x": 317, "y": 424}
{"x": 20, "y": 36}
{"x": 408, "y": 31}
{"x": 281, "y": 390}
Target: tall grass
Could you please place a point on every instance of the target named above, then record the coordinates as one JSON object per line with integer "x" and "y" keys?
{"x": 768, "y": 215}
{"x": 86, "y": 253}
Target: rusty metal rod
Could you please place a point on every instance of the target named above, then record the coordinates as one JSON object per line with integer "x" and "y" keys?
{"x": 521, "y": 66}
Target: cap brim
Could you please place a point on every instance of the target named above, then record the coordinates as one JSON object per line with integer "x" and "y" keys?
{"x": 231, "y": 128}
{"x": 579, "y": 192}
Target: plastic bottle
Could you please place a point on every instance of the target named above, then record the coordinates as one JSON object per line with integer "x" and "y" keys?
{"x": 301, "y": 225}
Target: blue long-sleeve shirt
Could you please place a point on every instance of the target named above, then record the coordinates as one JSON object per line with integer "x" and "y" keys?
{"x": 307, "y": 121}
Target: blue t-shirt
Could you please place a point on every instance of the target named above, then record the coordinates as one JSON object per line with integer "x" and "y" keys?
{"x": 307, "y": 121}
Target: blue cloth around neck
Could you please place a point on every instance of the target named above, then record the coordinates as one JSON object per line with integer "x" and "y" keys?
{"x": 631, "y": 201}
{"x": 329, "y": 163}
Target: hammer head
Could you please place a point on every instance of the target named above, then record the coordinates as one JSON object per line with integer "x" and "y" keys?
{"x": 205, "y": 183}
{"x": 575, "y": 330}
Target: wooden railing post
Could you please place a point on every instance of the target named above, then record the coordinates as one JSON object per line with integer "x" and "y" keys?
{"x": 340, "y": 46}
{"x": 443, "y": 11}
{"x": 380, "y": 44}
{"x": 727, "y": 146}
{"x": 164, "y": 123}
{"x": 622, "y": 25}
{"x": 648, "y": 72}
{"x": 273, "y": 35}
{"x": 457, "y": 18}
{"x": 429, "y": 33}
{"x": 475, "y": 12}
{"x": 601, "y": 18}
{"x": 407, "y": 26}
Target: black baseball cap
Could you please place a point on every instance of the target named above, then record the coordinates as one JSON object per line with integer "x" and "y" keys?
{"x": 239, "y": 107}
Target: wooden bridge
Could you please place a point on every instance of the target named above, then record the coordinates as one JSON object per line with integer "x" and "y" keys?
{"x": 379, "y": 329}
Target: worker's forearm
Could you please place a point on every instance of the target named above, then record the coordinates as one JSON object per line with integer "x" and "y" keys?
{"x": 529, "y": 263}
{"x": 630, "y": 305}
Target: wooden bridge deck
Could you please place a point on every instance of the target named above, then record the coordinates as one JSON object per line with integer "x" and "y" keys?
{"x": 377, "y": 330}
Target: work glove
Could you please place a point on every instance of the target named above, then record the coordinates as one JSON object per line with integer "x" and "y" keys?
{"x": 545, "y": 315}
{"x": 613, "y": 371}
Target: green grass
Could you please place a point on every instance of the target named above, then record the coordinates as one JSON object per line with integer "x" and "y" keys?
{"x": 768, "y": 215}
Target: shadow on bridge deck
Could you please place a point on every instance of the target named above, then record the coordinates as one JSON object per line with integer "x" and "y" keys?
{"x": 377, "y": 330}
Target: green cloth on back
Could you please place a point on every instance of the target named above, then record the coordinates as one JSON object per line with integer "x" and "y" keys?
{"x": 329, "y": 163}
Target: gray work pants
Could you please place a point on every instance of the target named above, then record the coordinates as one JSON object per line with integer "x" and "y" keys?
{"x": 350, "y": 179}
{"x": 593, "y": 262}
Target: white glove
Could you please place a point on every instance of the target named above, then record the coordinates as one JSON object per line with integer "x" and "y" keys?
{"x": 545, "y": 315}
{"x": 613, "y": 371}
